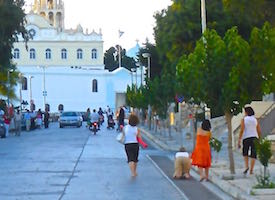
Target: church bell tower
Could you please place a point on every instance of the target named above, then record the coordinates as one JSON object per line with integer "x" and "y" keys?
{"x": 52, "y": 10}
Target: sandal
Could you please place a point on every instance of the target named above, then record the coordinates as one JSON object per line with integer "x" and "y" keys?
{"x": 201, "y": 179}
{"x": 245, "y": 171}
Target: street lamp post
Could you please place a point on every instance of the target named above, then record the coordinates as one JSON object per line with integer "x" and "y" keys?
{"x": 44, "y": 92}
{"x": 148, "y": 56}
{"x": 8, "y": 95}
{"x": 203, "y": 16}
{"x": 9, "y": 85}
{"x": 20, "y": 91}
{"x": 31, "y": 77}
{"x": 132, "y": 79}
{"x": 136, "y": 77}
{"x": 138, "y": 64}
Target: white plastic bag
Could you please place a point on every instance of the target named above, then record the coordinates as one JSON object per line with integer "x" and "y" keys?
{"x": 120, "y": 138}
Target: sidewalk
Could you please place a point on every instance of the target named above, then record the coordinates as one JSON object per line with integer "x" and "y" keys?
{"x": 238, "y": 186}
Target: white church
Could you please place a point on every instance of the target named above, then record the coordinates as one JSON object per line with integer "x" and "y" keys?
{"x": 65, "y": 67}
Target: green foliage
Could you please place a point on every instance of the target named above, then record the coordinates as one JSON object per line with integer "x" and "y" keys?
{"x": 215, "y": 144}
{"x": 264, "y": 182}
{"x": 135, "y": 97}
{"x": 111, "y": 59}
{"x": 262, "y": 42}
{"x": 3, "y": 105}
{"x": 222, "y": 71}
{"x": 155, "y": 67}
{"x": 179, "y": 26}
{"x": 263, "y": 148}
{"x": 12, "y": 22}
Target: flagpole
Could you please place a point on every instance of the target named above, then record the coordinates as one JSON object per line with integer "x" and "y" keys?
{"x": 119, "y": 57}
{"x": 120, "y": 33}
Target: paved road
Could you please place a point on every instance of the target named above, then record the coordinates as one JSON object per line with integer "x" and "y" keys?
{"x": 72, "y": 164}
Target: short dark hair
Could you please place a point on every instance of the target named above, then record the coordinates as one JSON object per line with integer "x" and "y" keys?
{"x": 249, "y": 111}
{"x": 182, "y": 149}
{"x": 206, "y": 125}
{"x": 133, "y": 120}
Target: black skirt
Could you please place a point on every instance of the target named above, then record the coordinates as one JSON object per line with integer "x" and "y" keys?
{"x": 249, "y": 147}
{"x": 132, "y": 151}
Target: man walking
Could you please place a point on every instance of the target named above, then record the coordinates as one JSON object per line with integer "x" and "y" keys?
{"x": 46, "y": 119}
{"x": 28, "y": 120}
{"x": 17, "y": 121}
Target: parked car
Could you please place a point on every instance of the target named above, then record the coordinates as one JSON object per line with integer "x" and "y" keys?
{"x": 70, "y": 118}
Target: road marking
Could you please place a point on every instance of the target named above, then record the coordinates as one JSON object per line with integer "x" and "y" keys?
{"x": 168, "y": 179}
{"x": 74, "y": 169}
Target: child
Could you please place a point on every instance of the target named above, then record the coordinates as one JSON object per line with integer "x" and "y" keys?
{"x": 182, "y": 164}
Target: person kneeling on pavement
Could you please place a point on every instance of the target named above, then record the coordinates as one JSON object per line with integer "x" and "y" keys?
{"x": 182, "y": 164}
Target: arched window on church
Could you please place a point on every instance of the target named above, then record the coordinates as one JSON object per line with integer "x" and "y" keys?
{"x": 16, "y": 54}
{"x": 94, "y": 54}
{"x": 79, "y": 54}
{"x": 51, "y": 18}
{"x": 59, "y": 19}
{"x": 48, "y": 54}
{"x": 24, "y": 83}
{"x": 32, "y": 54}
{"x": 64, "y": 54}
{"x": 94, "y": 86}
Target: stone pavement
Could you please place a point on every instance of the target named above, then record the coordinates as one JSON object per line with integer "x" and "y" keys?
{"x": 238, "y": 186}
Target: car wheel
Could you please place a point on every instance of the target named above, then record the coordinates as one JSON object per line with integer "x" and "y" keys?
{"x": 60, "y": 126}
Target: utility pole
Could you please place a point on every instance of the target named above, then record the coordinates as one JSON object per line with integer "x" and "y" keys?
{"x": 203, "y": 16}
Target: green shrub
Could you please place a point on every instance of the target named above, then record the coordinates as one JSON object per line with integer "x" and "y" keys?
{"x": 263, "y": 148}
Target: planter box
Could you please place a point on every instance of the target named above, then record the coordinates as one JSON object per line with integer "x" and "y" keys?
{"x": 272, "y": 139}
{"x": 270, "y": 191}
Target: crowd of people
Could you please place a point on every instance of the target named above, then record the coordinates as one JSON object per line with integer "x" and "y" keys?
{"x": 23, "y": 119}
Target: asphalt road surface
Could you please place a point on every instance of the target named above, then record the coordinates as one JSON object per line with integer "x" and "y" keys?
{"x": 73, "y": 164}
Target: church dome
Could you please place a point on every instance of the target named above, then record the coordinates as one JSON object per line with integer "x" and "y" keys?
{"x": 37, "y": 20}
{"x": 133, "y": 52}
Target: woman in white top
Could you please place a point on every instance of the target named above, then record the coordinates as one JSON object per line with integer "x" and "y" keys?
{"x": 250, "y": 132}
{"x": 131, "y": 133}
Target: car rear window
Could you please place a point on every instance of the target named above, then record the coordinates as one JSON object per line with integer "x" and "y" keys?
{"x": 68, "y": 114}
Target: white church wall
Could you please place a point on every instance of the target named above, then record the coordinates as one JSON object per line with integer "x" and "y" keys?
{"x": 73, "y": 87}
{"x": 56, "y": 47}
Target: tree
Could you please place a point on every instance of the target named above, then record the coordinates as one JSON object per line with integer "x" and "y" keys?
{"x": 179, "y": 26}
{"x": 111, "y": 58}
{"x": 218, "y": 73}
{"x": 155, "y": 67}
{"x": 12, "y": 23}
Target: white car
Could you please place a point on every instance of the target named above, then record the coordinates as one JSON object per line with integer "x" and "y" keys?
{"x": 70, "y": 118}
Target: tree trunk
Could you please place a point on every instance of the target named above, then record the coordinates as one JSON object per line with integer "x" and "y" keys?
{"x": 265, "y": 175}
{"x": 228, "y": 118}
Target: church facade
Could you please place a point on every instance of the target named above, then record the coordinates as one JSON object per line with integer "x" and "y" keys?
{"x": 65, "y": 67}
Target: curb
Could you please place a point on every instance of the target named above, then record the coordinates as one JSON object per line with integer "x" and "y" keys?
{"x": 168, "y": 179}
{"x": 215, "y": 179}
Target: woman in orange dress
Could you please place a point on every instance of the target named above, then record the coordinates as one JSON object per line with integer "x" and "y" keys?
{"x": 201, "y": 155}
